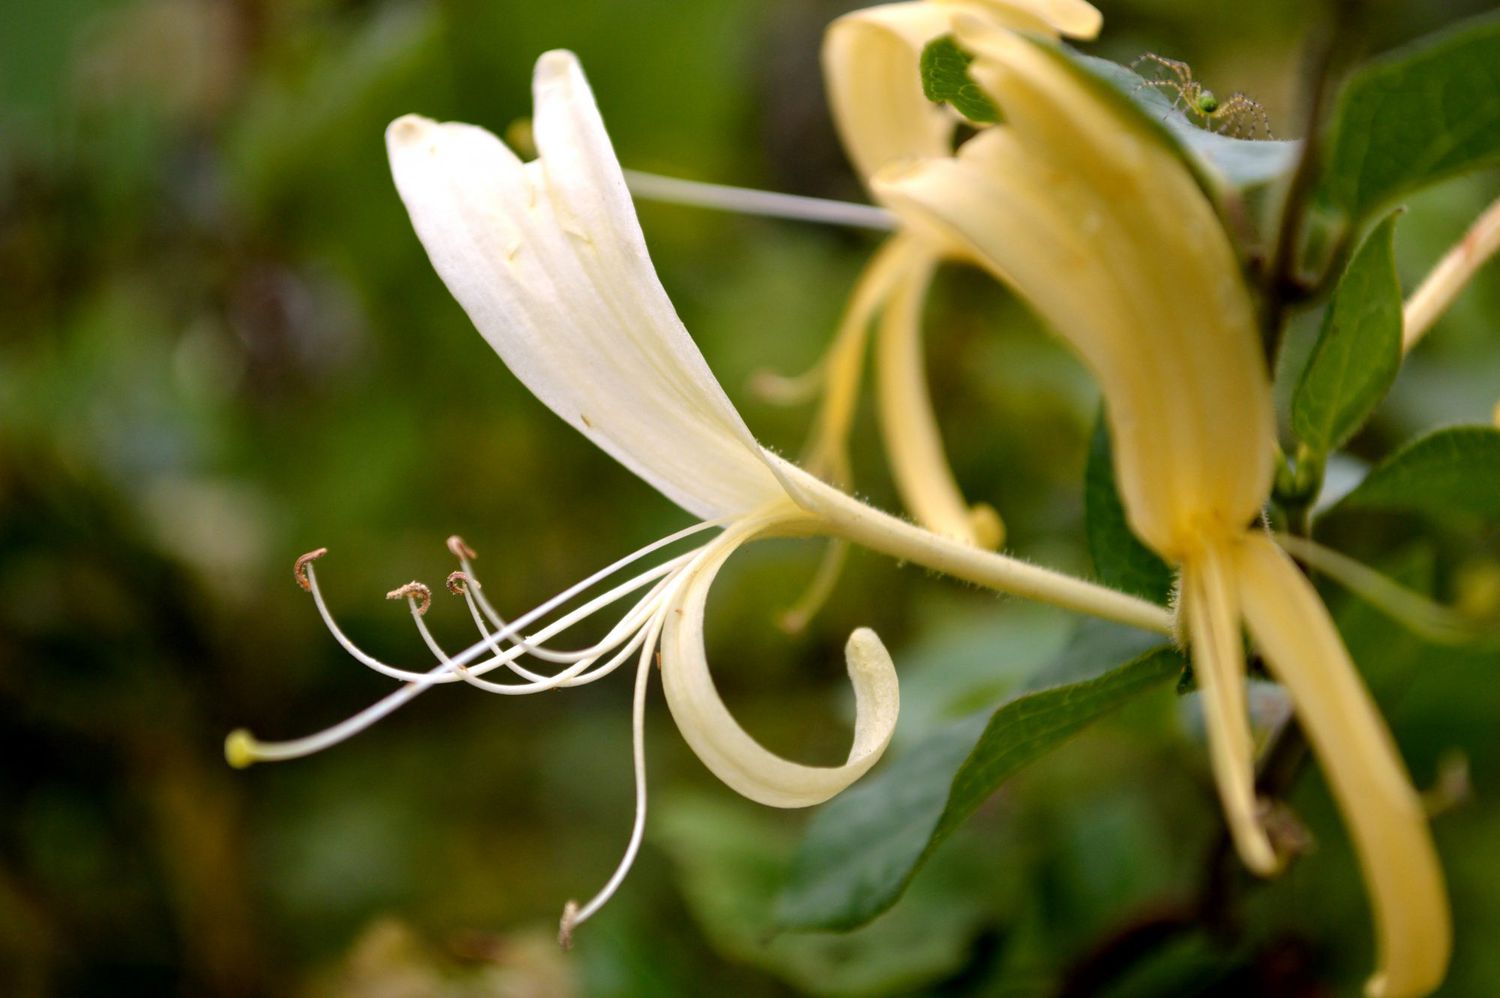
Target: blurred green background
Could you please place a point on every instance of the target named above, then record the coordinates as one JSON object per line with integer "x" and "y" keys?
{"x": 221, "y": 345}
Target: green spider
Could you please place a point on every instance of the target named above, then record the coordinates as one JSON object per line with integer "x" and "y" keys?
{"x": 1238, "y": 115}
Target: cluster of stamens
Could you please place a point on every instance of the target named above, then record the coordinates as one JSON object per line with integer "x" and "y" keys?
{"x": 502, "y": 645}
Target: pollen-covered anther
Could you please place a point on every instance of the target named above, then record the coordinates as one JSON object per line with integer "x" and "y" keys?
{"x": 461, "y": 550}
{"x": 566, "y": 923}
{"x": 458, "y": 583}
{"x": 299, "y": 570}
{"x": 416, "y": 591}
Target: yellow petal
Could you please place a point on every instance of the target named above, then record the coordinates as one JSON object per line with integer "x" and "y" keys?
{"x": 1210, "y": 600}
{"x": 913, "y": 443}
{"x": 872, "y": 70}
{"x": 1364, "y": 771}
{"x": 1080, "y": 206}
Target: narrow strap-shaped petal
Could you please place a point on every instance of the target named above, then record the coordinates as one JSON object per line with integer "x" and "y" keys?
{"x": 717, "y": 738}
{"x": 871, "y": 67}
{"x": 1410, "y": 906}
{"x": 827, "y": 453}
{"x": 913, "y": 443}
{"x": 1211, "y": 602}
{"x": 548, "y": 261}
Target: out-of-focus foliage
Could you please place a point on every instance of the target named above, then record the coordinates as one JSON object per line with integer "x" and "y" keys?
{"x": 221, "y": 345}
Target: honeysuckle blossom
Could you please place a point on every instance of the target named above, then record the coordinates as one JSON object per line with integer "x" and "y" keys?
{"x": 1080, "y": 206}
{"x": 871, "y": 63}
{"x": 548, "y": 260}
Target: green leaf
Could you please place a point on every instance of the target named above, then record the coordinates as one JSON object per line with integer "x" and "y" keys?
{"x": 1453, "y": 470}
{"x": 730, "y": 856}
{"x": 1120, "y": 559}
{"x": 863, "y": 848}
{"x": 1416, "y": 116}
{"x": 946, "y": 80}
{"x": 1221, "y": 160}
{"x": 1358, "y": 351}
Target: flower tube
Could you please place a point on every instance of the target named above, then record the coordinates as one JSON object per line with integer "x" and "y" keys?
{"x": 1084, "y": 210}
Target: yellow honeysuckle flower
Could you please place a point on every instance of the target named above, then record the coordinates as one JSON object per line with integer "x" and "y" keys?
{"x": 548, "y": 260}
{"x": 871, "y": 61}
{"x": 1083, "y": 209}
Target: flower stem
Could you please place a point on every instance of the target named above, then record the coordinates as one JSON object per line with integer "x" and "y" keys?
{"x": 850, "y": 518}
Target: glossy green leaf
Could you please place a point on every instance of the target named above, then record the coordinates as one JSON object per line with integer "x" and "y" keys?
{"x": 946, "y": 80}
{"x": 1414, "y": 117}
{"x": 1120, "y": 559}
{"x": 863, "y": 848}
{"x": 1358, "y": 351}
{"x": 1453, "y": 470}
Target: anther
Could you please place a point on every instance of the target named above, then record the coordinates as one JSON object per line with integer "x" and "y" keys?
{"x": 460, "y": 549}
{"x": 566, "y": 924}
{"x": 299, "y": 570}
{"x": 458, "y": 582}
{"x": 413, "y": 590}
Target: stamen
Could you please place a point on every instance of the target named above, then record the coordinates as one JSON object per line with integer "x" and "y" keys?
{"x": 574, "y": 916}
{"x": 460, "y": 550}
{"x": 744, "y": 201}
{"x": 418, "y": 594}
{"x": 457, "y": 583}
{"x": 241, "y": 748}
{"x": 299, "y": 570}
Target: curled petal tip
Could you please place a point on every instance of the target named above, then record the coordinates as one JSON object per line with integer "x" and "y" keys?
{"x": 240, "y": 749}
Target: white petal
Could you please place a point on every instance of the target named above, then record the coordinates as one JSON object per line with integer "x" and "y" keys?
{"x": 548, "y": 260}
{"x": 725, "y": 747}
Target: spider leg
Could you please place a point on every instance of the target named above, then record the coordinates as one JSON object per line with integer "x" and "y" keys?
{"x": 1178, "y": 96}
{"x": 1242, "y": 117}
{"x": 1182, "y": 70}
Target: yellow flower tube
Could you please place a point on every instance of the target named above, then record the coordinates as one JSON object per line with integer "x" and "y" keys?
{"x": 1081, "y": 206}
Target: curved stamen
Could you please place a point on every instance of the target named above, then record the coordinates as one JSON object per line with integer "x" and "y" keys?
{"x": 629, "y": 630}
{"x": 573, "y": 915}
{"x": 630, "y": 621}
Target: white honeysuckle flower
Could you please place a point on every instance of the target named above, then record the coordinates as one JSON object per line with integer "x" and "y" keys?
{"x": 871, "y": 66}
{"x": 1083, "y": 209}
{"x": 548, "y": 260}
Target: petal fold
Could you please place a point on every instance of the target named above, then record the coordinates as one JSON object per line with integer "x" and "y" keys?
{"x": 1288, "y": 621}
{"x": 718, "y": 739}
{"x": 548, "y": 260}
